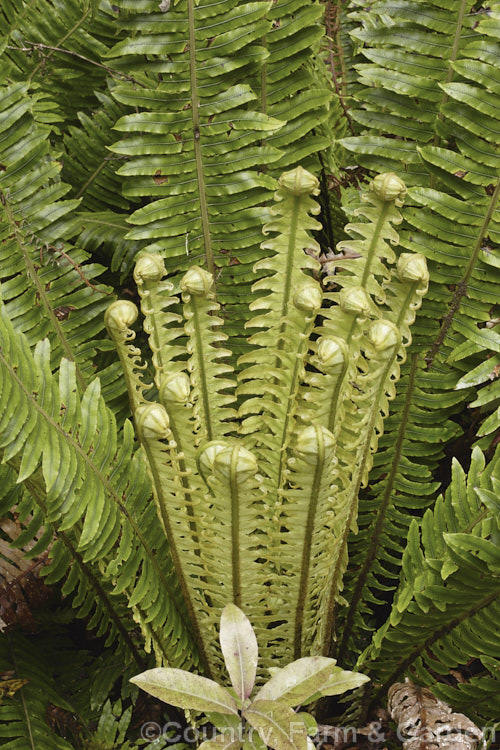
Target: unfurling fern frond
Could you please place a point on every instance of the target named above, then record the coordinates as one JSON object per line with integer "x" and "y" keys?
{"x": 281, "y": 540}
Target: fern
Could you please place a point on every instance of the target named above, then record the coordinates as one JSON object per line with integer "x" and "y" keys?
{"x": 48, "y": 288}
{"x": 60, "y": 431}
{"x": 291, "y": 427}
{"x": 188, "y": 437}
{"x": 451, "y": 220}
{"x": 49, "y": 44}
{"x": 23, "y": 715}
{"x": 439, "y": 606}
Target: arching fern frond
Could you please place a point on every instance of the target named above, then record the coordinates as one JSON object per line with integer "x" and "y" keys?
{"x": 92, "y": 483}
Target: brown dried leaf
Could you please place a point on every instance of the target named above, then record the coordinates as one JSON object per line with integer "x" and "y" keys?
{"x": 427, "y": 723}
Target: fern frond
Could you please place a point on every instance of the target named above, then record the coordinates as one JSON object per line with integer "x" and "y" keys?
{"x": 289, "y": 88}
{"x": 48, "y": 287}
{"x": 449, "y": 590}
{"x": 93, "y": 485}
{"x": 290, "y": 306}
{"x": 208, "y": 374}
{"x": 232, "y": 513}
{"x": 88, "y": 165}
{"x": 402, "y": 98}
{"x": 51, "y": 43}
{"x": 24, "y": 714}
{"x": 206, "y": 118}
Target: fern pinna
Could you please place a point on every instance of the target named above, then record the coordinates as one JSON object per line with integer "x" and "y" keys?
{"x": 312, "y": 394}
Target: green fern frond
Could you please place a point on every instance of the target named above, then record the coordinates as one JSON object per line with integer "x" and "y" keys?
{"x": 24, "y": 714}
{"x": 402, "y": 99}
{"x": 206, "y": 118}
{"x": 209, "y": 376}
{"x": 449, "y": 590}
{"x": 289, "y": 307}
{"x": 88, "y": 165}
{"x": 92, "y": 483}
{"x": 50, "y": 44}
{"x": 289, "y": 89}
{"x": 48, "y": 287}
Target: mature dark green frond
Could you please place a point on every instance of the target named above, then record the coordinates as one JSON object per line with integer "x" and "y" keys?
{"x": 194, "y": 95}
{"x": 234, "y": 94}
{"x": 50, "y": 44}
{"x": 401, "y": 104}
{"x": 291, "y": 88}
{"x": 91, "y": 168}
{"x": 88, "y": 166}
{"x": 23, "y": 714}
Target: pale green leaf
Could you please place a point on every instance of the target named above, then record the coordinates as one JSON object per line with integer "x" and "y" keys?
{"x": 228, "y": 741}
{"x": 186, "y": 690}
{"x": 298, "y": 681}
{"x": 278, "y": 725}
{"x": 239, "y": 648}
{"x": 342, "y": 681}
